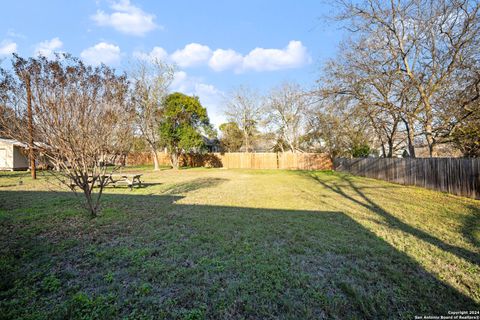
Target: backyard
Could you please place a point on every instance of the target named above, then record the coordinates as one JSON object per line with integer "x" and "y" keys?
{"x": 237, "y": 244}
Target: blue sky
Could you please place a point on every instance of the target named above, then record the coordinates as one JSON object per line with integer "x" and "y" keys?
{"x": 217, "y": 45}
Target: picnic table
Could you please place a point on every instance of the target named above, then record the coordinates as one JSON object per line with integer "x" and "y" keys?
{"x": 129, "y": 179}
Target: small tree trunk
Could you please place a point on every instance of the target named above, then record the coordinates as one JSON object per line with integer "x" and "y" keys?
{"x": 155, "y": 160}
{"x": 191, "y": 160}
{"x": 430, "y": 140}
{"x": 174, "y": 159}
{"x": 91, "y": 207}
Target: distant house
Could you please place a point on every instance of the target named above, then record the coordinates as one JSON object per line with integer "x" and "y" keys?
{"x": 212, "y": 144}
{"x": 13, "y": 155}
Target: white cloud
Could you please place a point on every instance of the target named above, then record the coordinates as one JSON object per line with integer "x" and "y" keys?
{"x": 259, "y": 59}
{"x": 102, "y": 52}
{"x": 7, "y": 47}
{"x": 181, "y": 82}
{"x": 225, "y": 59}
{"x": 48, "y": 48}
{"x": 191, "y": 55}
{"x": 157, "y": 53}
{"x": 293, "y": 56}
{"x": 126, "y": 18}
{"x": 13, "y": 34}
{"x": 210, "y": 97}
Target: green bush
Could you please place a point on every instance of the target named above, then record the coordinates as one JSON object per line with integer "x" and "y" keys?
{"x": 360, "y": 151}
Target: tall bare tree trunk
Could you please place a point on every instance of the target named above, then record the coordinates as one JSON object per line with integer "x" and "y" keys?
{"x": 292, "y": 147}
{"x": 384, "y": 153}
{"x": 427, "y": 123}
{"x": 247, "y": 142}
{"x": 429, "y": 138}
{"x": 428, "y": 128}
{"x": 410, "y": 136}
{"x": 31, "y": 154}
{"x": 155, "y": 160}
{"x": 390, "y": 148}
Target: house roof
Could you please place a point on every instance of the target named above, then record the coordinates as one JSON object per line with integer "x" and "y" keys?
{"x": 209, "y": 141}
{"x": 17, "y": 143}
{"x": 14, "y": 142}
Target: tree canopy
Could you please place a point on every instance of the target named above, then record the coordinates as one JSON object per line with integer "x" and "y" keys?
{"x": 232, "y": 137}
{"x": 183, "y": 123}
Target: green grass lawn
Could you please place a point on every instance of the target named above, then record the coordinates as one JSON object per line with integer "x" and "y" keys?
{"x": 237, "y": 244}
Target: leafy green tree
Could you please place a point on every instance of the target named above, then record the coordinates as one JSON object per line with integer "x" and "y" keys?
{"x": 467, "y": 138}
{"x": 232, "y": 137}
{"x": 360, "y": 150}
{"x": 183, "y": 121}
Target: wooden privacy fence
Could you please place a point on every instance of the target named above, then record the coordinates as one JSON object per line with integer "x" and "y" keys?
{"x": 460, "y": 176}
{"x": 240, "y": 160}
{"x": 146, "y": 158}
{"x": 290, "y": 161}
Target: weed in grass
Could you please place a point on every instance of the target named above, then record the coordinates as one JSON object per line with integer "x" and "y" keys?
{"x": 51, "y": 283}
{"x": 82, "y": 306}
{"x": 144, "y": 289}
{"x": 109, "y": 277}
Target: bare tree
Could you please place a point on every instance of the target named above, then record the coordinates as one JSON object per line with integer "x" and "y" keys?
{"x": 245, "y": 108}
{"x": 359, "y": 84}
{"x": 151, "y": 80}
{"x": 465, "y": 111}
{"x": 8, "y": 97}
{"x": 428, "y": 42}
{"x": 338, "y": 135}
{"x": 81, "y": 119}
{"x": 287, "y": 106}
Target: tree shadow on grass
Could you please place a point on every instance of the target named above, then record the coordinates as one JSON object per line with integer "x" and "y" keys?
{"x": 193, "y": 185}
{"x": 149, "y": 184}
{"x": 15, "y": 174}
{"x": 7, "y": 185}
{"x": 216, "y": 261}
{"x": 393, "y": 221}
{"x": 471, "y": 226}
